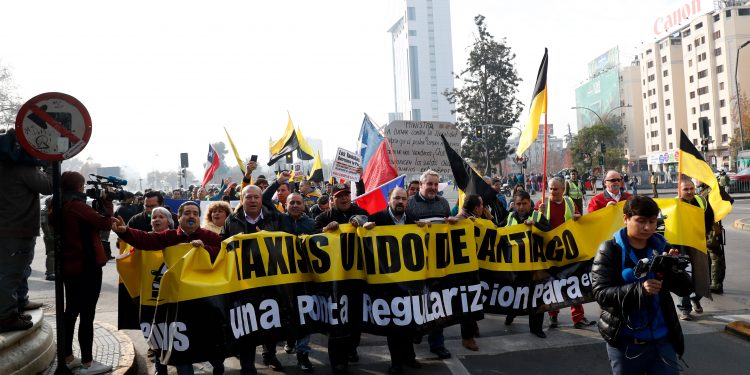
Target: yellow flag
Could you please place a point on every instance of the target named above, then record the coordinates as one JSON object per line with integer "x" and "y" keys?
{"x": 538, "y": 105}
{"x": 243, "y": 168}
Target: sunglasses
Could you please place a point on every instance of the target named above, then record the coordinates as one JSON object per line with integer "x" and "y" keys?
{"x": 614, "y": 180}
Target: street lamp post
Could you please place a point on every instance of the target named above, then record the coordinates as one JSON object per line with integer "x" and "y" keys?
{"x": 737, "y": 87}
{"x": 600, "y": 118}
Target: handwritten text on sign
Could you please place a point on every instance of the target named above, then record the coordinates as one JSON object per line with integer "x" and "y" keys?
{"x": 345, "y": 165}
{"x": 417, "y": 145}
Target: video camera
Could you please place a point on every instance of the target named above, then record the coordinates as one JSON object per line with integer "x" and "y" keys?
{"x": 108, "y": 188}
{"x": 661, "y": 265}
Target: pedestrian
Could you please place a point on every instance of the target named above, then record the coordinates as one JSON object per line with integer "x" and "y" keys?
{"x": 83, "y": 257}
{"x": 654, "y": 180}
{"x": 49, "y": 239}
{"x": 612, "y": 193}
{"x": 575, "y": 190}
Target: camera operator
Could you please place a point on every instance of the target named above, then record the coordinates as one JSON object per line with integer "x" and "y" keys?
{"x": 83, "y": 258}
{"x": 19, "y": 227}
{"x": 638, "y": 319}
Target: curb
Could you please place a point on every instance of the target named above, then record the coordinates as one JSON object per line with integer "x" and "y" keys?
{"x": 742, "y": 224}
{"x": 127, "y": 364}
{"x": 739, "y": 328}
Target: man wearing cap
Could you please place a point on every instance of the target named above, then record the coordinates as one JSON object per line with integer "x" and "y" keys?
{"x": 341, "y": 350}
{"x": 575, "y": 190}
{"x": 612, "y": 194}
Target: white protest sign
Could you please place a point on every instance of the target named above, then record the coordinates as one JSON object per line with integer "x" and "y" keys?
{"x": 417, "y": 145}
{"x": 345, "y": 165}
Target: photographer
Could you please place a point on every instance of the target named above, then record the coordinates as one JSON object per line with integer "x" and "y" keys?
{"x": 638, "y": 318}
{"x": 83, "y": 258}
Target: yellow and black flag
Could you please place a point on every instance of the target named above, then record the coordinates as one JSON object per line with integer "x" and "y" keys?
{"x": 316, "y": 173}
{"x": 693, "y": 165}
{"x": 537, "y": 107}
{"x": 291, "y": 141}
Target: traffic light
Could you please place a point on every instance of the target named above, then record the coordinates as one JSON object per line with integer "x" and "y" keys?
{"x": 601, "y": 159}
{"x": 524, "y": 164}
{"x": 703, "y": 126}
{"x": 478, "y": 131}
{"x": 602, "y": 148}
{"x": 704, "y": 144}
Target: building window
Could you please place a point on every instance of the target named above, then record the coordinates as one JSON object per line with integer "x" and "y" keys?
{"x": 670, "y": 145}
{"x": 724, "y": 138}
{"x": 691, "y": 79}
{"x": 644, "y": 95}
{"x": 703, "y": 73}
{"x": 666, "y": 103}
{"x": 697, "y": 42}
{"x": 669, "y": 116}
{"x": 721, "y": 85}
{"x": 650, "y": 64}
{"x": 743, "y": 12}
{"x": 411, "y": 13}
{"x": 664, "y": 59}
{"x": 686, "y": 33}
{"x": 724, "y": 120}
{"x": 692, "y": 94}
{"x": 412, "y": 32}
{"x": 705, "y": 107}
{"x": 728, "y": 14}
{"x": 695, "y": 126}
{"x": 666, "y": 88}
{"x": 651, "y": 78}
{"x": 720, "y": 69}
{"x": 703, "y": 90}
{"x": 695, "y": 141}
{"x": 717, "y": 17}
{"x": 414, "y": 71}
{"x": 717, "y": 34}
{"x": 666, "y": 73}
{"x": 416, "y": 114}
{"x": 722, "y": 103}
{"x": 690, "y": 47}
{"x": 654, "y": 133}
{"x": 692, "y": 110}
{"x": 653, "y": 106}
{"x": 690, "y": 62}
{"x": 669, "y": 131}
{"x": 717, "y": 52}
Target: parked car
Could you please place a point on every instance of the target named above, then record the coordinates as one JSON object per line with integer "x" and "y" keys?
{"x": 743, "y": 175}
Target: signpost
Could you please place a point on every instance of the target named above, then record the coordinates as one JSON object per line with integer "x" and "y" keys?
{"x": 54, "y": 126}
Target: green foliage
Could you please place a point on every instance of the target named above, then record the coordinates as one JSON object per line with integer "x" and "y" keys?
{"x": 587, "y": 142}
{"x": 487, "y": 96}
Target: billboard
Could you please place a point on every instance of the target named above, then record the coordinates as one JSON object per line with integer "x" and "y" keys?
{"x": 608, "y": 60}
{"x": 600, "y": 94}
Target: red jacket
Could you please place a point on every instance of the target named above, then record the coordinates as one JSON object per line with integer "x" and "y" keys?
{"x": 82, "y": 246}
{"x": 600, "y": 200}
{"x": 159, "y": 240}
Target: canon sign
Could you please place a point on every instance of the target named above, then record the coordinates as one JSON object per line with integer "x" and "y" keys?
{"x": 683, "y": 12}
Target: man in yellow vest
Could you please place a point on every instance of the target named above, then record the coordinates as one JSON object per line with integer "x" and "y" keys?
{"x": 575, "y": 190}
{"x": 558, "y": 209}
{"x": 687, "y": 194}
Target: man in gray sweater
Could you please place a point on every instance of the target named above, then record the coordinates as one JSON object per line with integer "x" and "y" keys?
{"x": 19, "y": 228}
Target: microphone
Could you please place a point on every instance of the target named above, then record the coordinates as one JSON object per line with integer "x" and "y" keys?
{"x": 628, "y": 275}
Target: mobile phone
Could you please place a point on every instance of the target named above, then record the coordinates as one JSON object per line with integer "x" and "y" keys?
{"x": 254, "y": 158}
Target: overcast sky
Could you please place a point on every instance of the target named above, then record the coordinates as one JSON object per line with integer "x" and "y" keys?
{"x": 164, "y": 77}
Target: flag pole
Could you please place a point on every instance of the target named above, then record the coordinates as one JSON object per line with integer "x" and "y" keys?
{"x": 679, "y": 174}
{"x": 544, "y": 166}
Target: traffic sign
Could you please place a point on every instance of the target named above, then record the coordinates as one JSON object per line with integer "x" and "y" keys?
{"x": 53, "y": 126}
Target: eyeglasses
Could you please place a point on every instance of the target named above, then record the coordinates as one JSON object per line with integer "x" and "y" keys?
{"x": 614, "y": 180}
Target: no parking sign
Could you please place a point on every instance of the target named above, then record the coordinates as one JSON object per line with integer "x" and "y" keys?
{"x": 53, "y": 126}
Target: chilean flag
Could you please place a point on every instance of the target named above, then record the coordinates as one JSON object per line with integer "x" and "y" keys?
{"x": 213, "y": 165}
{"x": 377, "y": 199}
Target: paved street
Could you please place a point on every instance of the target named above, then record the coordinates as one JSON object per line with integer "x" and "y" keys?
{"x": 511, "y": 350}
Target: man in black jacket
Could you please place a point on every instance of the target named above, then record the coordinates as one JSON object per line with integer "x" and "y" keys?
{"x": 638, "y": 318}
{"x": 251, "y": 217}
{"x": 341, "y": 350}
{"x": 401, "y": 349}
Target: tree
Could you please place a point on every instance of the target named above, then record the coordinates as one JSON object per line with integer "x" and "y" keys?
{"x": 585, "y": 147}
{"x": 487, "y": 96}
{"x": 734, "y": 143}
{"x": 9, "y": 100}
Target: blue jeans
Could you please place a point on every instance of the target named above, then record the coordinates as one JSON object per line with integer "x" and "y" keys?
{"x": 16, "y": 255}
{"x": 685, "y": 306}
{"x": 436, "y": 339}
{"x": 656, "y": 357}
{"x": 302, "y": 345}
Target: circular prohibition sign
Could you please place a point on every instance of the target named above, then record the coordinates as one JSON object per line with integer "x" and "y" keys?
{"x": 53, "y": 126}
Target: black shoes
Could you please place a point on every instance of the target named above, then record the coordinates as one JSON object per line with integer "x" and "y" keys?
{"x": 540, "y": 334}
{"x": 441, "y": 352}
{"x": 583, "y": 323}
{"x": 273, "y": 363}
{"x": 509, "y": 319}
{"x": 395, "y": 369}
{"x": 50, "y": 278}
{"x": 15, "y": 323}
{"x": 553, "y": 323}
{"x": 289, "y": 347}
{"x": 303, "y": 363}
{"x": 353, "y": 356}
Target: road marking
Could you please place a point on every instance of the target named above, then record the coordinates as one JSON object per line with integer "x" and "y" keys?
{"x": 455, "y": 366}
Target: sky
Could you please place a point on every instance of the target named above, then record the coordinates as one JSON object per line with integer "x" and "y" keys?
{"x": 164, "y": 77}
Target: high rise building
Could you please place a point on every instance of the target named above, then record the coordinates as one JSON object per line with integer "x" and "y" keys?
{"x": 422, "y": 61}
{"x": 688, "y": 83}
{"x": 611, "y": 95}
